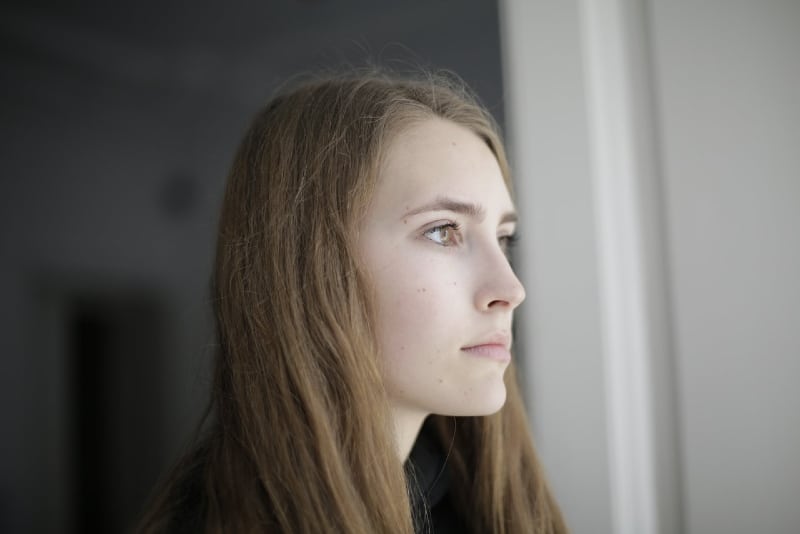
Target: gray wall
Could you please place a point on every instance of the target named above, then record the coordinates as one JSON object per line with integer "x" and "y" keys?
{"x": 728, "y": 82}
{"x": 710, "y": 122}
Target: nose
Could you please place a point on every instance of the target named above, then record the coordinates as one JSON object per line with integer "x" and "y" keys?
{"x": 499, "y": 287}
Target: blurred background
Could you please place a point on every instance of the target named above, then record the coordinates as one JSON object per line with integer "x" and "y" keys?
{"x": 119, "y": 121}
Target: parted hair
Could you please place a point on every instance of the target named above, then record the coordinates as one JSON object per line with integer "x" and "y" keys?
{"x": 298, "y": 433}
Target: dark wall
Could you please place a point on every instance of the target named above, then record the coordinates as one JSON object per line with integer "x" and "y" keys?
{"x": 118, "y": 125}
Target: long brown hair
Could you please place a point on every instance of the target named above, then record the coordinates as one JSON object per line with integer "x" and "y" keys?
{"x": 299, "y": 438}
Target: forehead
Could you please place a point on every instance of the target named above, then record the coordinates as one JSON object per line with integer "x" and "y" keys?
{"x": 436, "y": 157}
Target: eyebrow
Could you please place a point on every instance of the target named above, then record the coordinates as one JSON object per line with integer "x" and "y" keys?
{"x": 470, "y": 209}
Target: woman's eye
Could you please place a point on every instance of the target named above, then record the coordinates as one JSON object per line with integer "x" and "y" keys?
{"x": 507, "y": 242}
{"x": 444, "y": 234}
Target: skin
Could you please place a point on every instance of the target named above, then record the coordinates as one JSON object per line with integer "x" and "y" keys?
{"x": 434, "y": 242}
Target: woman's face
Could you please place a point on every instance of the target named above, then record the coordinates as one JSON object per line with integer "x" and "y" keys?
{"x": 434, "y": 243}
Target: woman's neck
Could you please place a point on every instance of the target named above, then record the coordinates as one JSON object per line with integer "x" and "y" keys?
{"x": 407, "y": 423}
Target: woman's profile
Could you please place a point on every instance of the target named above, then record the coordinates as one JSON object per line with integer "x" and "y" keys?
{"x": 363, "y": 381}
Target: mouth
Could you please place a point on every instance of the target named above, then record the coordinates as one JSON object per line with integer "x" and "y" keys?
{"x": 495, "y": 346}
{"x": 490, "y": 351}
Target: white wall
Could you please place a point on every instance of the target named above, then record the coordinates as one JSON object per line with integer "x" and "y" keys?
{"x": 729, "y": 87}
{"x": 559, "y": 329}
{"x": 655, "y": 144}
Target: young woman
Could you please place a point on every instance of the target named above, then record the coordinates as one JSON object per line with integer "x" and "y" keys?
{"x": 363, "y": 296}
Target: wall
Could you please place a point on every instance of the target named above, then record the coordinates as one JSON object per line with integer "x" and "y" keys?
{"x": 655, "y": 145}
{"x": 728, "y": 80}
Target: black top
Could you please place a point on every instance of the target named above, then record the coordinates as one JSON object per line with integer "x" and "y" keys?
{"x": 428, "y": 478}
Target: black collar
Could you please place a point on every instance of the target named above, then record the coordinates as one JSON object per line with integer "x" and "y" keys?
{"x": 427, "y": 475}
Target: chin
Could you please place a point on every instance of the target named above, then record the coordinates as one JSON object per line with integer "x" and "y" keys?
{"x": 495, "y": 404}
{"x": 488, "y": 403}
{"x": 493, "y": 399}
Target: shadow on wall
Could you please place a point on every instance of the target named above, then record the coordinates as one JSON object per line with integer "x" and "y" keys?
{"x": 106, "y": 413}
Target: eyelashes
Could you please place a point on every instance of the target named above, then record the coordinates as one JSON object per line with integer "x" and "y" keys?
{"x": 508, "y": 242}
{"x": 446, "y": 235}
{"x": 449, "y": 235}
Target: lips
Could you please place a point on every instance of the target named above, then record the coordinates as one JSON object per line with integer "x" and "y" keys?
{"x": 495, "y": 346}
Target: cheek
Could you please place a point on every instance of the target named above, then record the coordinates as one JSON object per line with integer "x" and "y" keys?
{"x": 416, "y": 307}
{"x": 407, "y": 313}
